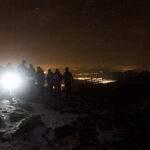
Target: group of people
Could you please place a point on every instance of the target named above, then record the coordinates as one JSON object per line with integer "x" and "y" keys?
{"x": 38, "y": 78}
{"x": 54, "y": 81}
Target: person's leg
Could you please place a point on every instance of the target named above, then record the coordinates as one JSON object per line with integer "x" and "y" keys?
{"x": 56, "y": 90}
{"x": 67, "y": 90}
{"x": 59, "y": 91}
{"x": 51, "y": 89}
{"x": 70, "y": 90}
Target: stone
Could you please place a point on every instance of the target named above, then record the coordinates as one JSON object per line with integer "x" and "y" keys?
{"x": 28, "y": 124}
{"x": 14, "y": 117}
{"x": 64, "y": 131}
{"x": 1, "y": 120}
{"x": 26, "y": 107}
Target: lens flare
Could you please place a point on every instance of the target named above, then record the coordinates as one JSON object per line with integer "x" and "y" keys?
{"x": 11, "y": 81}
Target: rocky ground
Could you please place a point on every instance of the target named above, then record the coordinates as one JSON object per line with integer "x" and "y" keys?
{"x": 62, "y": 124}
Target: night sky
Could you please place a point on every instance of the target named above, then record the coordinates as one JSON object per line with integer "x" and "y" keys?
{"x": 107, "y": 34}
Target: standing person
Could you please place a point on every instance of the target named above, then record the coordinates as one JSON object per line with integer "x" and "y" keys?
{"x": 9, "y": 69}
{"x": 22, "y": 69}
{"x": 40, "y": 80}
{"x": 1, "y": 74}
{"x": 68, "y": 80}
{"x": 50, "y": 77}
{"x": 31, "y": 75}
{"x": 31, "y": 80}
{"x": 57, "y": 83}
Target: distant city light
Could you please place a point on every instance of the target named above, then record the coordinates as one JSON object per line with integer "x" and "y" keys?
{"x": 95, "y": 80}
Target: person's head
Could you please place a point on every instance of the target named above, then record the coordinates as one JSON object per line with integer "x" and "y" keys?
{"x": 49, "y": 70}
{"x": 9, "y": 64}
{"x": 67, "y": 69}
{"x": 57, "y": 71}
{"x": 39, "y": 68}
{"x": 23, "y": 62}
{"x": 31, "y": 66}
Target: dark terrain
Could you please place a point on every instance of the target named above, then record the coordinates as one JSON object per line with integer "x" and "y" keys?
{"x": 114, "y": 116}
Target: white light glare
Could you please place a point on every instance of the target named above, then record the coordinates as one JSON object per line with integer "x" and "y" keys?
{"x": 11, "y": 81}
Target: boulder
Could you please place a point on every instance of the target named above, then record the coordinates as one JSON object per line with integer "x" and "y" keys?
{"x": 2, "y": 132}
{"x": 14, "y": 117}
{"x": 1, "y": 120}
{"x": 27, "y": 125}
{"x": 4, "y": 111}
{"x": 64, "y": 131}
{"x": 26, "y": 107}
{"x": 89, "y": 137}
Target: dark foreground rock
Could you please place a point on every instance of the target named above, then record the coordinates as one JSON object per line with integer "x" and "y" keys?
{"x": 64, "y": 131}
{"x": 27, "y": 125}
{"x": 79, "y": 135}
{"x": 25, "y": 107}
{"x": 1, "y": 120}
{"x": 14, "y": 117}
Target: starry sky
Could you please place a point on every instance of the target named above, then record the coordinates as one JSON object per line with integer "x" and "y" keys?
{"x": 107, "y": 34}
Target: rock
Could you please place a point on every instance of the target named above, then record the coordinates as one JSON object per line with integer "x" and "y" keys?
{"x": 1, "y": 120}
{"x": 106, "y": 125}
{"x": 19, "y": 110}
{"x": 26, "y": 107}
{"x": 81, "y": 147}
{"x": 14, "y": 117}
{"x": 104, "y": 148}
{"x": 88, "y": 133}
{"x": 89, "y": 137}
{"x": 47, "y": 132}
{"x": 5, "y": 138}
{"x": 124, "y": 145}
{"x": 84, "y": 122}
{"x": 64, "y": 131}
{"x": 28, "y": 124}
{"x": 4, "y": 111}
{"x": 2, "y": 132}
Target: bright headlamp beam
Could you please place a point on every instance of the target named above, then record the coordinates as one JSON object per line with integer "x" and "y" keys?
{"x": 11, "y": 81}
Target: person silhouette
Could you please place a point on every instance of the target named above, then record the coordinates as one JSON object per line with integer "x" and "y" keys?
{"x": 23, "y": 72}
{"x": 22, "y": 69}
{"x": 50, "y": 81}
{"x": 1, "y": 74}
{"x": 9, "y": 68}
{"x": 1, "y": 71}
{"x": 31, "y": 75}
{"x": 40, "y": 76}
{"x": 57, "y": 83}
{"x": 68, "y": 81}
